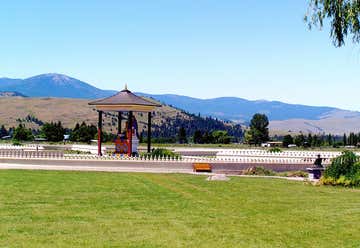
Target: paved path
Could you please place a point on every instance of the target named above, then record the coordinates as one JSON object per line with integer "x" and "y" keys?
{"x": 68, "y": 167}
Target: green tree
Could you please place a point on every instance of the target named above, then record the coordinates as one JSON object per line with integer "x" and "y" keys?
{"x": 248, "y": 137}
{"x": 299, "y": 140}
{"x": 330, "y": 140}
{"x": 53, "y": 131}
{"x": 288, "y": 139}
{"x": 83, "y": 133}
{"x": 3, "y": 131}
{"x": 221, "y": 137}
{"x": 344, "y": 165}
{"x": 21, "y": 133}
{"x": 259, "y": 130}
{"x": 198, "y": 138}
{"x": 309, "y": 140}
{"x": 343, "y": 16}
{"x": 182, "y": 135}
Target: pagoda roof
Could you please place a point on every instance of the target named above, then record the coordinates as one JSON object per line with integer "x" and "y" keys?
{"x": 125, "y": 100}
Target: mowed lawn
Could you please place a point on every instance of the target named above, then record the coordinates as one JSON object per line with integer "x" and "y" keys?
{"x": 86, "y": 209}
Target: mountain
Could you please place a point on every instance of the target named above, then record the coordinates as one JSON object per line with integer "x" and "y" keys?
{"x": 53, "y": 85}
{"x": 284, "y": 117}
{"x": 11, "y": 94}
{"x": 239, "y": 109}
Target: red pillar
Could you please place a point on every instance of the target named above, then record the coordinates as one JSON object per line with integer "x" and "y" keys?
{"x": 99, "y": 133}
{"x": 149, "y": 133}
{"x": 130, "y": 132}
{"x": 119, "y": 122}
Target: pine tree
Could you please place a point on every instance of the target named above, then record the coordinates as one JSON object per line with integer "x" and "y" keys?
{"x": 182, "y": 135}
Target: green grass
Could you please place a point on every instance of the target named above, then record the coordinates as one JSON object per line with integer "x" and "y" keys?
{"x": 79, "y": 209}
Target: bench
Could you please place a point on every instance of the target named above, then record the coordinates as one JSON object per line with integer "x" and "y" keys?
{"x": 202, "y": 167}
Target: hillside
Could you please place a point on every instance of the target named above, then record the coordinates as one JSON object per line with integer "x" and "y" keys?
{"x": 284, "y": 118}
{"x": 166, "y": 120}
{"x": 239, "y": 109}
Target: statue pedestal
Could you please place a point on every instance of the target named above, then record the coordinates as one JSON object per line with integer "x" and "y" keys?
{"x": 135, "y": 144}
{"x": 315, "y": 173}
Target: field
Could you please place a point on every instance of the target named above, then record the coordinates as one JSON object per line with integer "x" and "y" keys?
{"x": 73, "y": 209}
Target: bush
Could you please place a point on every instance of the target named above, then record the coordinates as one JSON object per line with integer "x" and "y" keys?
{"x": 275, "y": 149}
{"x": 259, "y": 171}
{"x": 16, "y": 143}
{"x": 161, "y": 152}
{"x": 344, "y": 170}
{"x": 293, "y": 174}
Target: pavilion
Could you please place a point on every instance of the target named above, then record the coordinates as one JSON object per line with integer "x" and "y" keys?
{"x": 124, "y": 101}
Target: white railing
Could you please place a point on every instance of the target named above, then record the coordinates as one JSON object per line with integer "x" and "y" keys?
{"x": 27, "y": 147}
{"x": 7, "y": 153}
{"x": 238, "y": 153}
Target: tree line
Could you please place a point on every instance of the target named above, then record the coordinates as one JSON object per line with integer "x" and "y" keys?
{"x": 195, "y": 129}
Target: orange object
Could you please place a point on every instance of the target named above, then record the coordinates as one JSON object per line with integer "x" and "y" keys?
{"x": 202, "y": 167}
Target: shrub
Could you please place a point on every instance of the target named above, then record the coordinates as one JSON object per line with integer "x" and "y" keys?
{"x": 293, "y": 174}
{"x": 259, "y": 171}
{"x": 16, "y": 143}
{"x": 162, "y": 152}
{"x": 344, "y": 170}
{"x": 344, "y": 165}
{"x": 275, "y": 149}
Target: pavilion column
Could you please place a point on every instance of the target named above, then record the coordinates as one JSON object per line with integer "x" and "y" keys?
{"x": 149, "y": 133}
{"x": 130, "y": 117}
{"x": 100, "y": 133}
{"x": 119, "y": 122}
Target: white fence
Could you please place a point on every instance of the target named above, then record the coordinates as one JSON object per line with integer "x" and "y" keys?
{"x": 223, "y": 156}
{"x": 7, "y": 153}
{"x": 28, "y": 147}
{"x": 263, "y": 155}
{"x": 185, "y": 159}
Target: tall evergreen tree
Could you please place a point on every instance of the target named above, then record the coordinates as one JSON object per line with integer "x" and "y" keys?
{"x": 259, "y": 130}
{"x": 3, "y": 131}
{"x": 21, "y": 133}
{"x": 198, "y": 139}
{"x": 288, "y": 139}
{"x": 345, "y": 140}
{"x": 182, "y": 135}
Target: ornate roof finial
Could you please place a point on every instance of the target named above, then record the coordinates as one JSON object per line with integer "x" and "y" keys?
{"x": 126, "y": 86}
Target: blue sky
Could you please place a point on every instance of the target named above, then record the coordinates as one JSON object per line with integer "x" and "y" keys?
{"x": 200, "y": 48}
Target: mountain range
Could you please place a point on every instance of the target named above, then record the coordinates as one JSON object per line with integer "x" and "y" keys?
{"x": 53, "y": 85}
{"x": 283, "y": 116}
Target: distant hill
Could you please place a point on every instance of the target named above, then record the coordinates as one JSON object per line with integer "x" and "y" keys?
{"x": 239, "y": 109}
{"x": 284, "y": 117}
{"x": 53, "y": 85}
{"x": 11, "y": 94}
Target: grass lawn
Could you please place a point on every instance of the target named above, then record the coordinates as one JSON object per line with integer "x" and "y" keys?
{"x": 80, "y": 209}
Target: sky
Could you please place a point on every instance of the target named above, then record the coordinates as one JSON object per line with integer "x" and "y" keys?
{"x": 199, "y": 48}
